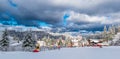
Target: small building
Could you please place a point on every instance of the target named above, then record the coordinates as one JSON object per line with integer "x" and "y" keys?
{"x": 41, "y": 43}
{"x": 99, "y": 42}
{"x": 77, "y": 41}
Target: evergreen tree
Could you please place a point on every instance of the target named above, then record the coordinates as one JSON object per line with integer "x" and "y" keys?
{"x": 28, "y": 43}
{"x": 60, "y": 43}
{"x": 105, "y": 31}
{"x": 44, "y": 38}
{"x": 118, "y": 29}
{"x": 110, "y": 34}
{"x": 105, "y": 36}
{"x": 52, "y": 41}
{"x": 36, "y": 37}
{"x": 113, "y": 30}
{"x": 4, "y": 43}
{"x": 70, "y": 43}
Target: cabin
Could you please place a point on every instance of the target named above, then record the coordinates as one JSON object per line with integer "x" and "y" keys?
{"x": 98, "y": 42}
{"x": 41, "y": 43}
{"x": 77, "y": 41}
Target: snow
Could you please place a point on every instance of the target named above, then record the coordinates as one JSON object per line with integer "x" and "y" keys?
{"x": 16, "y": 44}
{"x": 67, "y": 53}
{"x": 117, "y": 37}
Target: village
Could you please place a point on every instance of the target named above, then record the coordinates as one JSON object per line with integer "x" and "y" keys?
{"x": 104, "y": 38}
{"x": 69, "y": 42}
{"x": 30, "y": 41}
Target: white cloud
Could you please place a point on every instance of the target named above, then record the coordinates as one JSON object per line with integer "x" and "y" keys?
{"x": 79, "y": 18}
{"x": 89, "y": 12}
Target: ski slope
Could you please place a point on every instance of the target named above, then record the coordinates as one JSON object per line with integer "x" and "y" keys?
{"x": 67, "y": 53}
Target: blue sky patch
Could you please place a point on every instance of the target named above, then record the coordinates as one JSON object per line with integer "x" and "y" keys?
{"x": 12, "y": 3}
{"x": 65, "y": 19}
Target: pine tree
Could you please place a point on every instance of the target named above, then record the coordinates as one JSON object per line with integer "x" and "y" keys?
{"x": 69, "y": 43}
{"x": 28, "y": 43}
{"x": 110, "y": 34}
{"x": 52, "y": 41}
{"x": 113, "y": 30}
{"x": 105, "y": 30}
{"x": 118, "y": 29}
{"x": 105, "y": 33}
{"x": 60, "y": 43}
{"x": 4, "y": 43}
{"x": 36, "y": 37}
{"x": 44, "y": 38}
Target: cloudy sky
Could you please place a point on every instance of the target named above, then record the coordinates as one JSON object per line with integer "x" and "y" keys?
{"x": 70, "y": 15}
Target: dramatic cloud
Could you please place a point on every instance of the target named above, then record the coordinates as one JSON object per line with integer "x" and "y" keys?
{"x": 84, "y": 18}
{"x": 73, "y": 15}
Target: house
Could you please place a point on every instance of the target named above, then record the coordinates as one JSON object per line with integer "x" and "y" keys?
{"x": 77, "y": 41}
{"x": 41, "y": 43}
{"x": 98, "y": 42}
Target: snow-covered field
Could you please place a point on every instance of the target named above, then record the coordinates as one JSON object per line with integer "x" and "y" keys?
{"x": 67, "y": 53}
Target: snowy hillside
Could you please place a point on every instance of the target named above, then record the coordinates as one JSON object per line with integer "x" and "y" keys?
{"x": 67, "y": 53}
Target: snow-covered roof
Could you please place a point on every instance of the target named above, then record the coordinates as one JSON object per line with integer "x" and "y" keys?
{"x": 95, "y": 40}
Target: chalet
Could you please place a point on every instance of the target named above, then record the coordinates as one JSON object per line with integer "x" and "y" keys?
{"x": 98, "y": 42}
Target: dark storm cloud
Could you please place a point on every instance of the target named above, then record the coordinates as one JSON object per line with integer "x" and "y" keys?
{"x": 34, "y": 11}
{"x": 103, "y": 8}
{"x": 30, "y": 12}
{"x": 87, "y": 27}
